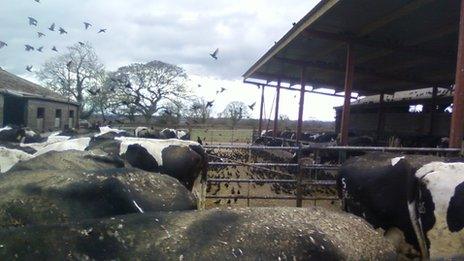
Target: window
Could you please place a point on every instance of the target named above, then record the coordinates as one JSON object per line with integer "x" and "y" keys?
{"x": 40, "y": 113}
{"x": 449, "y": 109}
{"x": 416, "y": 108}
{"x": 71, "y": 114}
{"x": 58, "y": 113}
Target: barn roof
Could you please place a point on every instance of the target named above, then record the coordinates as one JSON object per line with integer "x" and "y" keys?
{"x": 17, "y": 86}
{"x": 399, "y": 45}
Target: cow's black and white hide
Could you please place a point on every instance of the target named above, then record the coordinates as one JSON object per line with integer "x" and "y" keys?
{"x": 168, "y": 134}
{"x": 54, "y": 137}
{"x": 417, "y": 194}
{"x": 145, "y": 132}
{"x": 19, "y": 134}
{"x": 437, "y": 208}
{"x": 11, "y": 134}
{"x": 184, "y": 160}
{"x": 108, "y": 132}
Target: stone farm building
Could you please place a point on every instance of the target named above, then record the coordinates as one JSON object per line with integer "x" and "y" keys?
{"x": 24, "y": 103}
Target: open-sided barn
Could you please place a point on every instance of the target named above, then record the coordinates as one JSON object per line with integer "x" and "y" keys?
{"x": 24, "y": 103}
{"x": 369, "y": 48}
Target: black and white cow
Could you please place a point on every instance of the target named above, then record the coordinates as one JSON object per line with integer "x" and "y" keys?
{"x": 150, "y": 133}
{"x": 423, "y": 196}
{"x": 183, "y": 160}
{"x": 19, "y": 134}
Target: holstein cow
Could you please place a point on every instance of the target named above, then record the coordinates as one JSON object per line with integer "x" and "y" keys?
{"x": 145, "y": 132}
{"x": 18, "y": 134}
{"x": 183, "y": 160}
{"x": 423, "y": 196}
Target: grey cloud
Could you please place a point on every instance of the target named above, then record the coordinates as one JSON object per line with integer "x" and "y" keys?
{"x": 182, "y": 32}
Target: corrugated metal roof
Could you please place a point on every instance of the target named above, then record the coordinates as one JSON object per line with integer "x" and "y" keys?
{"x": 399, "y": 45}
{"x": 17, "y": 86}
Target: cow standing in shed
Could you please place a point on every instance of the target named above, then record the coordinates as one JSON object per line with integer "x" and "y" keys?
{"x": 422, "y": 196}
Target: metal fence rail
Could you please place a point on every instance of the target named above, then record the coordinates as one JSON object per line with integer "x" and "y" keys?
{"x": 297, "y": 178}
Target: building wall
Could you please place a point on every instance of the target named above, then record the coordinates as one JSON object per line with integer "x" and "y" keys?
{"x": 49, "y": 114}
{"x": 398, "y": 123}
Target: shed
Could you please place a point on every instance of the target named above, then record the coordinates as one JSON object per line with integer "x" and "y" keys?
{"x": 370, "y": 47}
{"x": 24, "y": 103}
{"x": 408, "y": 113}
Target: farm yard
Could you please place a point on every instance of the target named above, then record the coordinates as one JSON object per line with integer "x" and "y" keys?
{"x": 343, "y": 141}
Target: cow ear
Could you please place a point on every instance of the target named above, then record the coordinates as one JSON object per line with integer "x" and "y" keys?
{"x": 455, "y": 213}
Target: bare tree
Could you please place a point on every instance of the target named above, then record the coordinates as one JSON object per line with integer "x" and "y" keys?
{"x": 101, "y": 98}
{"x": 235, "y": 111}
{"x": 150, "y": 88}
{"x": 73, "y": 74}
{"x": 172, "y": 114}
{"x": 199, "y": 111}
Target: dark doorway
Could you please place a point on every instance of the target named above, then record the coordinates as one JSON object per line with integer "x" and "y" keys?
{"x": 14, "y": 111}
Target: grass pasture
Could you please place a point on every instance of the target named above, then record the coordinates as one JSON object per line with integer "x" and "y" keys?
{"x": 222, "y": 136}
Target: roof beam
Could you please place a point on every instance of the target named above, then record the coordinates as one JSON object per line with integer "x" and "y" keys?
{"x": 295, "y": 89}
{"x": 338, "y": 68}
{"x": 343, "y": 38}
{"x": 379, "y": 23}
{"x": 316, "y": 83}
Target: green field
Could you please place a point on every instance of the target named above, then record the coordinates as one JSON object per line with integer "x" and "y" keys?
{"x": 212, "y": 136}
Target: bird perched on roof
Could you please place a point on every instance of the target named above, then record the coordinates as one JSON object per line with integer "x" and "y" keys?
{"x": 52, "y": 27}
{"x": 87, "y": 25}
{"x": 214, "y": 54}
{"x": 62, "y": 31}
{"x": 293, "y": 23}
{"x": 40, "y": 49}
{"x": 29, "y": 68}
{"x": 81, "y": 43}
{"x": 54, "y": 49}
{"x": 3, "y": 44}
{"x": 221, "y": 90}
{"x": 102, "y": 31}
{"x": 29, "y": 48}
{"x": 252, "y": 106}
{"x": 209, "y": 104}
{"x": 32, "y": 21}
{"x": 40, "y": 35}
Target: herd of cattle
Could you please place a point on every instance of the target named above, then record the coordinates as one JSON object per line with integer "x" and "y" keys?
{"x": 53, "y": 188}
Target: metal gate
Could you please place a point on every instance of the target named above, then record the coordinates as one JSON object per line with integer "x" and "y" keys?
{"x": 299, "y": 170}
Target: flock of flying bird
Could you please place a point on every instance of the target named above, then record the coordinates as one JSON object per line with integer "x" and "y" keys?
{"x": 53, "y": 28}
{"x": 210, "y": 104}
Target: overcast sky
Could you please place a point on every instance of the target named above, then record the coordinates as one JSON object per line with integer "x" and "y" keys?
{"x": 181, "y": 32}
